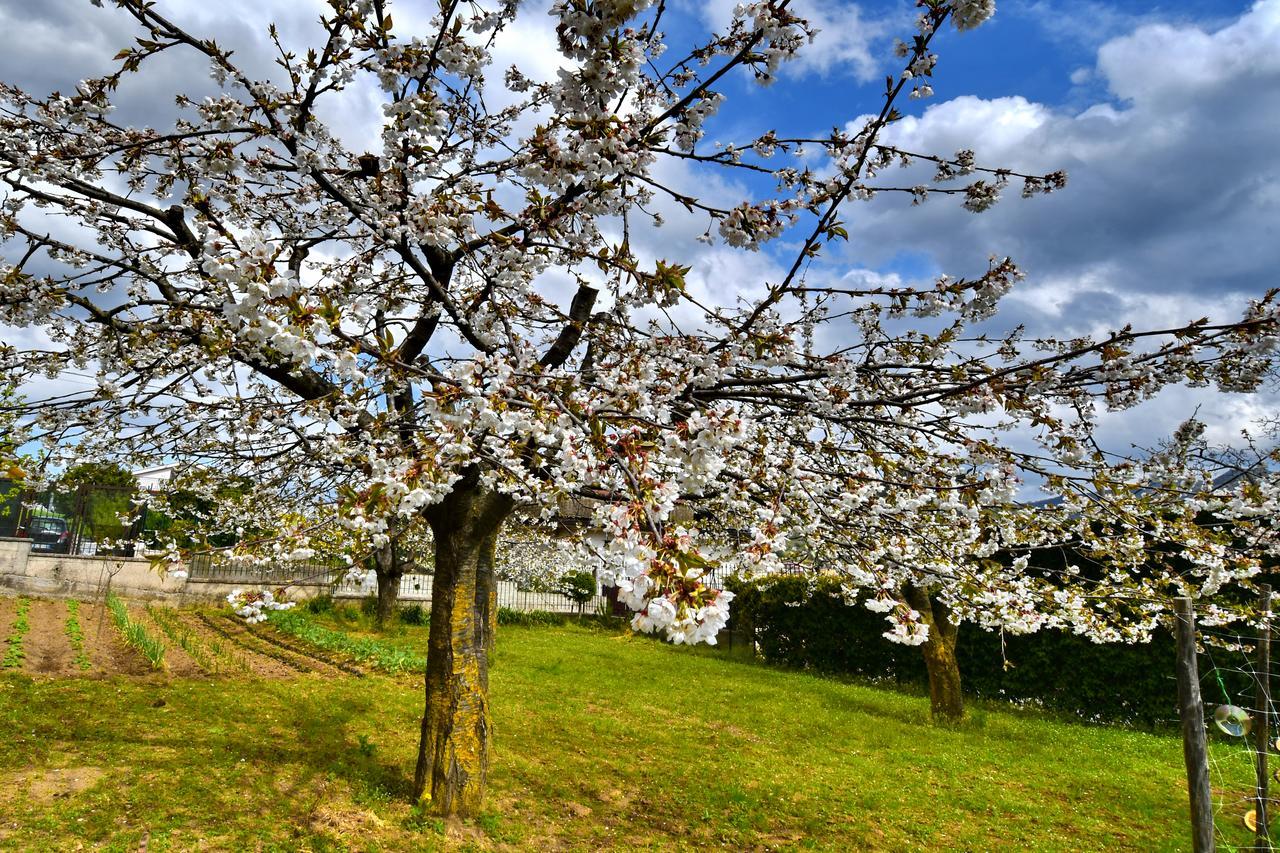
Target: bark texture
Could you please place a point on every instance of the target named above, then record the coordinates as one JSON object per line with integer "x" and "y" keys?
{"x": 946, "y": 701}
{"x": 453, "y": 753}
{"x": 389, "y": 570}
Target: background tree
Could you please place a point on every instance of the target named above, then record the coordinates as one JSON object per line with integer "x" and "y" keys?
{"x": 459, "y": 326}
{"x": 101, "y": 497}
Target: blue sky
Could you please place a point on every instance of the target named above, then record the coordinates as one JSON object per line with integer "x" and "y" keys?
{"x": 1167, "y": 119}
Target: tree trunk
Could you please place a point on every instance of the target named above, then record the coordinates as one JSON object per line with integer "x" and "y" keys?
{"x": 388, "y": 570}
{"x": 453, "y": 753}
{"x": 946, "y": 701}
{"x": 487, "y": 593}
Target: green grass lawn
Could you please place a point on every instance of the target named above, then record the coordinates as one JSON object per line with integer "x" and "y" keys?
{"x": 603, "y": 741}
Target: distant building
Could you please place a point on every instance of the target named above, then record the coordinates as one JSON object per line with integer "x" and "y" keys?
{"x": 155, "y": 479}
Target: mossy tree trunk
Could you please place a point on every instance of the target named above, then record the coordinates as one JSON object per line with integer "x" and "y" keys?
{"x": 946, "y": 701}
{"x": 487, "y": 592}
{"x": 453, "y": 753}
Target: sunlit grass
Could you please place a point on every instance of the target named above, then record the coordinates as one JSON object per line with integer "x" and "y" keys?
{"x": 603, "y": 741}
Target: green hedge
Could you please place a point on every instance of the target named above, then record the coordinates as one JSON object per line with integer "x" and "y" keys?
{"x": 806, "y": 624}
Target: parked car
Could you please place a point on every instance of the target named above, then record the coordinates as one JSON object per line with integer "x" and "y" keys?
{"x": 49, "y": 534}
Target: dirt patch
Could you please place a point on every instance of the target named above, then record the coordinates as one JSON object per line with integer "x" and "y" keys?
{"x": 177, "y": 661}
{"x": 231, "y": 655}
{"x": 344, "y": 821}
{"x": 58, "y": 783}
{"x": 48, "y": 649}
{"x": 107, "y": 651}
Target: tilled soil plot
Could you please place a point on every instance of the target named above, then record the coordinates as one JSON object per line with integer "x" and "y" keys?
{"x": 233, "y": 649}
{"x": 269, "y": 644}
{"x": 197, "y": 645}
{"x": 48, "y": 648}
{"x": 176, "y": 659}
{"x": 107, "y": 651}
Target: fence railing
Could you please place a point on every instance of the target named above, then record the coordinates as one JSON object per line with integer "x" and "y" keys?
{"x": 417, "y": 588}
{"x": 222, "y": 568}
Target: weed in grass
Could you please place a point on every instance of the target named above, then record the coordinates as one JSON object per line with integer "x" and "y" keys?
{"x": 382, "y": 655}
{"x": 76, "y": 635}
{"x": 320, "y": 604}
{"x": 13, "y": 653}
{"x": 135, "y": 634}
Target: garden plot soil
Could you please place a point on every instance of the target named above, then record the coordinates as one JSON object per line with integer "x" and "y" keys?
{"x": 227, "y": 645}
{"x": 108, "y": 653}
{"x": 48, "y": 648}
{"x": 176, "y": 659}
{"x": 271, "y": 644}
{"x": 251, "y": 651}
{"x": 232, "y": 657}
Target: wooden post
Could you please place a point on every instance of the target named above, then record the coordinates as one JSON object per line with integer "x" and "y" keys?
{"x": 1194, "y": 750}
{"x": 1262, "y": 731}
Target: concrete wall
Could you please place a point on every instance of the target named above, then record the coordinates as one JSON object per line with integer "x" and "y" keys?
{"x": 66, "y": 576}
{"x": 76, "y": 576}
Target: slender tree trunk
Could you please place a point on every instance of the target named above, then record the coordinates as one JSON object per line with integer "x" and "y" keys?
{"x": 453, "y": 753}
{"x": 388, "y": 570}
{"x": 946, "y": 700}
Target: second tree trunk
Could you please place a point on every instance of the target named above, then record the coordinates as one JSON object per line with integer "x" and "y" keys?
{"x": 946, "y": 701}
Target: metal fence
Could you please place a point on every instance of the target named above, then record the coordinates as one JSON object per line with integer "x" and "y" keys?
{"x": 88, "y": 520}
{"x": 417, "y": 588}
{"x": 223, "y": 568}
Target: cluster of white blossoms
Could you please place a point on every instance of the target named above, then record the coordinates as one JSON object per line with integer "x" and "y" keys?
{"x": 464, "y": 326}
{"x": 971, "y": 13}
{"x": 252, "y": 605}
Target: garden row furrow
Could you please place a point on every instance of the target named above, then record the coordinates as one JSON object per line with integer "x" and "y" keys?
{"x": 184, "y": 638}
{"x": 135, "y": 633}
{"x": 75, "y": 636}
{"x": 177, "y": 660}
{"x": 238, "y": 636}
{"x": 314, "y": 663}
{"x": 228, "y": 656}
{"x": 48, "y": 646}
{"x": 343, "y": 666}
{"x": 7, "y": 607}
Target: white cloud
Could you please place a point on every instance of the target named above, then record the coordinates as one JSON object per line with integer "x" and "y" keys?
{"x": 844, "y": 43}
{"x": 1172, "y": 211}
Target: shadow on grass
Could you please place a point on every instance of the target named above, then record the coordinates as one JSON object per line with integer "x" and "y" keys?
{"x": 196, "y": 748}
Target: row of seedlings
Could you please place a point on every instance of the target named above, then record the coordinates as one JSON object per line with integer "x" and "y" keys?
{"x": 385, "y": 657}
{"x": 208, "y": 654}
{"x": 13, "y": 654}
{"x": 135, "y": 633}
{"x": 75, "y": 634}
